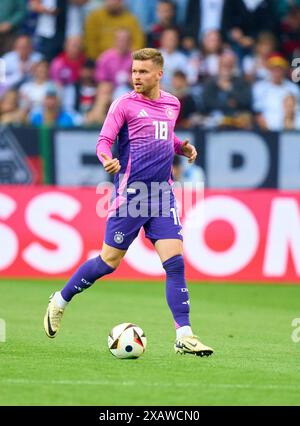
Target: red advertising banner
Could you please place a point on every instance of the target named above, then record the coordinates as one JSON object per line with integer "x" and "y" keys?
{"x": 228, "y": 235}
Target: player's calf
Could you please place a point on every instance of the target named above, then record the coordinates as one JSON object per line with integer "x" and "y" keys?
{"x": 176, "y": 291}
{"x": 179, "y": 303}
{"x": 83, "y": 278}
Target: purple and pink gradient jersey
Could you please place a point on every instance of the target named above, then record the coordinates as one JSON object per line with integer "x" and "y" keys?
{"x": 146, "y": 139}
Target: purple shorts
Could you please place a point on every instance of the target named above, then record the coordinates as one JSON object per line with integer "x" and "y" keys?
{"x": 121, "y": 231}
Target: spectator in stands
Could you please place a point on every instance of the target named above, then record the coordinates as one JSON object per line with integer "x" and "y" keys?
{"x": 181, "y": 12}
{"x": 205, "y": 61}
{"x": 174, "y": 59}
{"x": 165, "y": 12}
{"x": 145, "y": 12}
{"x": 102, "y": 24}
{"x": 92, "y": 5}
{"x": 51, "y": 26}
{"x": 30, "y": 20}
{"x": 211, "y": 49}
{"x": 65, "y": 68}
{"x": 269, "y": 95}
{"x": 19, "y": 63}
{"x": 12, "y": 14}
{"x": 114, "y": 65}
{"x": 248, "y": 19}
{"x": 255, "y": 66}
{"x": 51, "y": 113}
{"x": 182, "y": 92}
{"x": 10, "y": 113}
{"x": 227, "y": 97}
{"x": 75, "y": 17}
{"x": 97, "y": 114}
{"x": 205, "y": 15}
{"x": 290, "y": 33}
{"x": 33, "y": 92}
{"x": 113, "y": 72}
{"x": 81, "y": 96}
{"x": 291, "y": 113}
{"x": 283, "y": 7}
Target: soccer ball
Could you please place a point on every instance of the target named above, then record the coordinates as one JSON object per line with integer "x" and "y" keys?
{"x": 127, "y": 341}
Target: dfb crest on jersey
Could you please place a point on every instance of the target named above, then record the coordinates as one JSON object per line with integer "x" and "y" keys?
{"x": 119, "y": 237}
{"x": 170, "y": 112}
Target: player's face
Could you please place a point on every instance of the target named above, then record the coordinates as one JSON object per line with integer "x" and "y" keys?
{"x": 145, "y": 76}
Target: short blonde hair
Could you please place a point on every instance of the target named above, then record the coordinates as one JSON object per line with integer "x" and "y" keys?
{"x": 148, "y": 53}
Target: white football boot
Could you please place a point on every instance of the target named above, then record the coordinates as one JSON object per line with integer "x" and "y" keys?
{"x": 192, "y": 345}
{"x": 52, "y": 318}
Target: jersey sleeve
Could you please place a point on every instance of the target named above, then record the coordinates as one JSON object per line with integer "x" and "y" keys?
{"x": 177, "y": 145}
{"x": 177, "y": 141}
{"x": 112, "y": 125}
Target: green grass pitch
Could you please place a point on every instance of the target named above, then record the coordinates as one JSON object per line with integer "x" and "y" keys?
{"x": 249, "y": 326}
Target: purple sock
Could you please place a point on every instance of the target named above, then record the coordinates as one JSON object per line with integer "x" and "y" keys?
{"x": 176, "y": 291}
{"x": 85, "y": 276}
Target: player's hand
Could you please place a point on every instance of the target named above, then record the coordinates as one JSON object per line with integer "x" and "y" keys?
{"x": 111, "y": 165}
{"x": 189, "y": 151}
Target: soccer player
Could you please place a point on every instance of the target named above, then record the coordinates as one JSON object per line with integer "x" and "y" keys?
{"x": 143, "y": 121}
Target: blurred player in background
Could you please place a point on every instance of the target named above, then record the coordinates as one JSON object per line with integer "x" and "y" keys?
{"x": 143, "y": 121}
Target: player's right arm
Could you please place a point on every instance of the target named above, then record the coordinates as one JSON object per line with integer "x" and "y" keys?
{"x": 111, "y": 127}
{"x": 111, "y": 165}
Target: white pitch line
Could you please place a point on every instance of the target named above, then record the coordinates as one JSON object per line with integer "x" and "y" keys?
{"x": 114, "y": 383}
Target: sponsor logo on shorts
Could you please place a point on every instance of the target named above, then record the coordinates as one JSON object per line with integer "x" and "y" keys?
{"x": 119, "y": 237}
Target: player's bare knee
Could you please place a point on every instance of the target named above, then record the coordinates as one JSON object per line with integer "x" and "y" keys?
{"x": 112, "y": 261}
{"x": 112, "y": 257}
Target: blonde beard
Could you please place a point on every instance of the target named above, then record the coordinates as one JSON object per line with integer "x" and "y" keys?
{"x": 145, "y": 91}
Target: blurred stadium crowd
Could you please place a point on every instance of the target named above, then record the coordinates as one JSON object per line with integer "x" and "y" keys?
{"x": 232, "y": 63}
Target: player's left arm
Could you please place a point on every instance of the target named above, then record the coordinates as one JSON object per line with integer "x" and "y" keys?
{"x": 185, "y": 148}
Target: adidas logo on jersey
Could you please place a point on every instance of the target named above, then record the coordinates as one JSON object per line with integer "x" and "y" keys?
{"x": 143, "y": 113}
